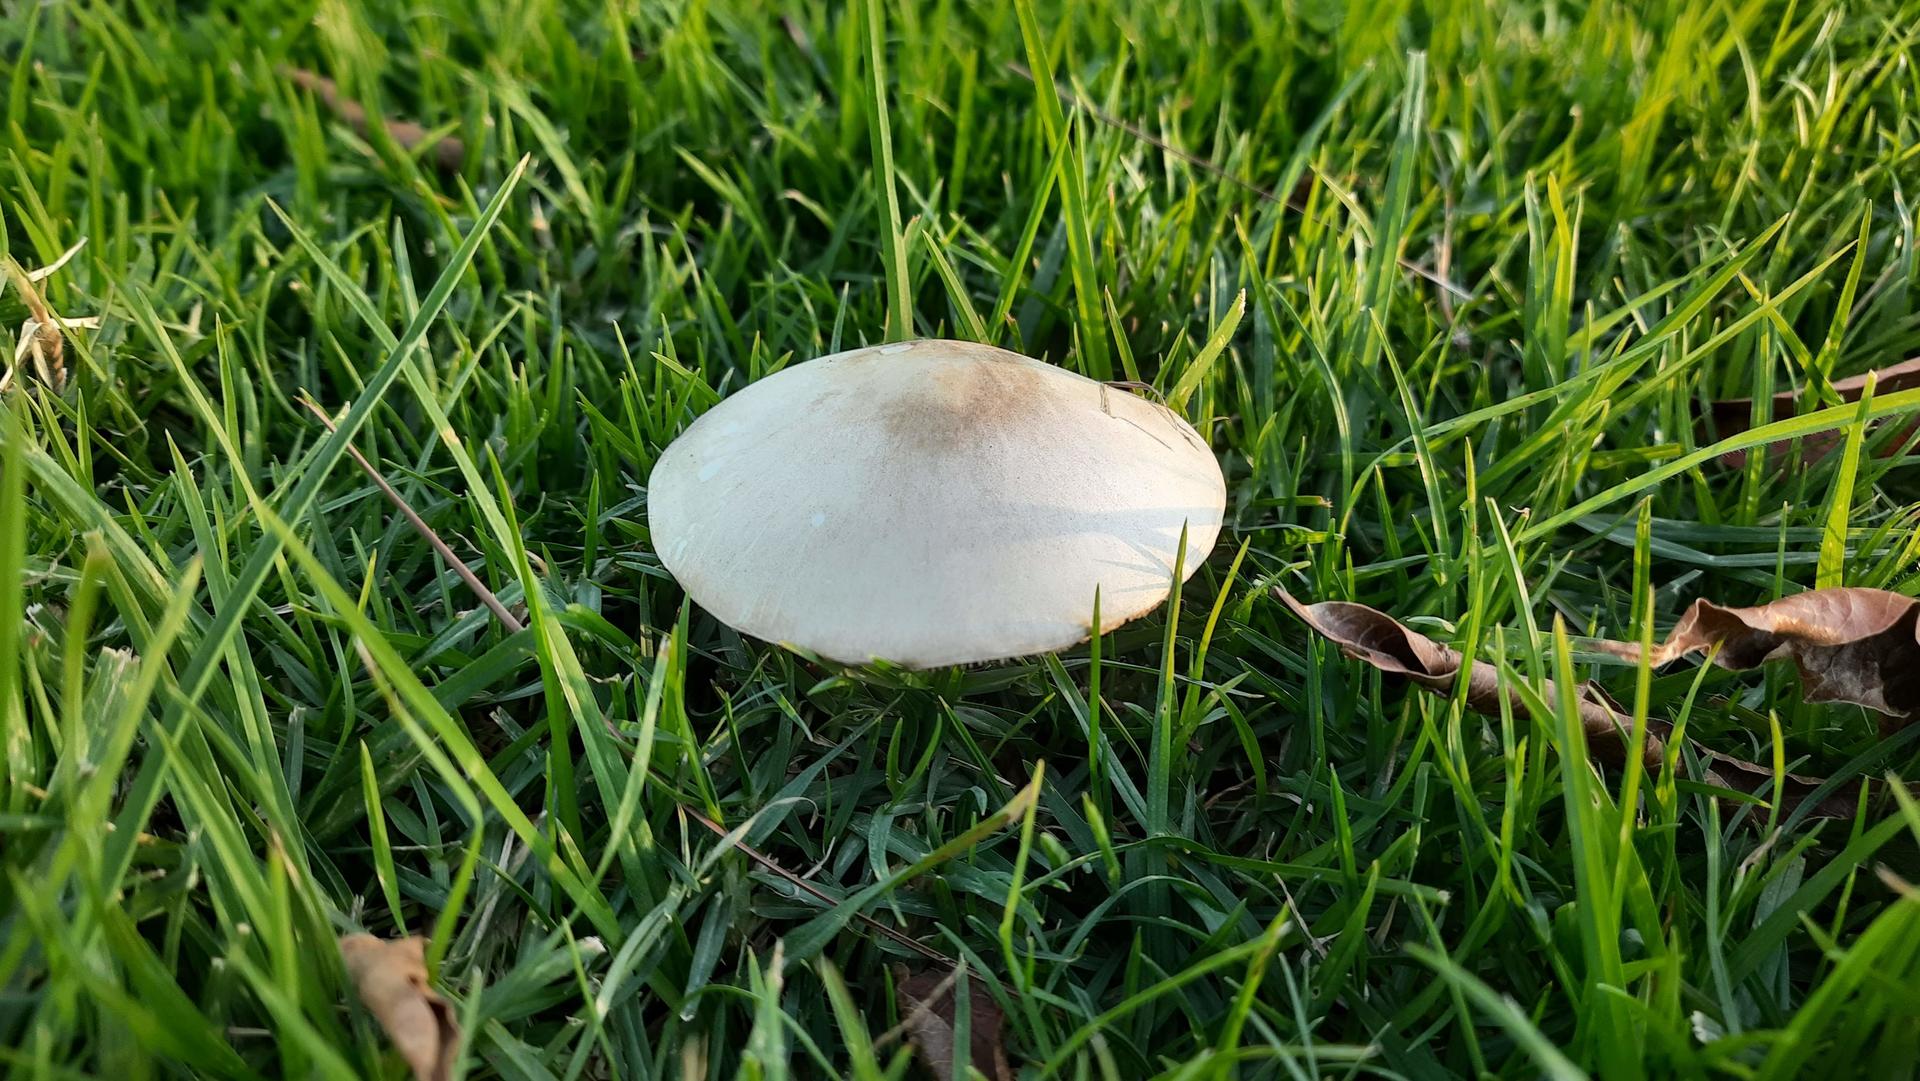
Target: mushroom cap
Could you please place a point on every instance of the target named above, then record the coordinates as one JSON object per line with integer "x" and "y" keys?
{"x": 932, "y": 503}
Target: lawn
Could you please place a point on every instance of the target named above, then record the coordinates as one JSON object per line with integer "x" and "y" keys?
{"x": 1478, "y": 269}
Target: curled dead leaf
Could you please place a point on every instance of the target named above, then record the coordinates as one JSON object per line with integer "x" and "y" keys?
{"x": 1849, "y": 644}
{"x": 391, "y": 980}
{"x": 448, "y": 152}
{"x": 1729, "y": 417}
{"x": 40, "y": 340}
{"x": 1369, "y": 635}
{"x": 927, "y": 1008}
{"x": 1380, "y": 640}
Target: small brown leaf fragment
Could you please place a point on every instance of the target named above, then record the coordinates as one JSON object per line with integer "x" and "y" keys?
{"x": 1369, "y": 635}
{"x": 926, "y": 1003}
{"x": 1850, "y": 645}
{"x": 41, "y": 346}
{"x": 1729, "y": 417}
{"x": 448, "y": 152}
{"x": 391, "y": 980}
{"x": 39, "y": 339}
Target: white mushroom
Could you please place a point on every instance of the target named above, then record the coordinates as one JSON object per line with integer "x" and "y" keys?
{"x": 932, "y": 503}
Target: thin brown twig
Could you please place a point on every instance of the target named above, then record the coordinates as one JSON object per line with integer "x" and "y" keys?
{"x": 901, "y": 937}
{"x": 420, "y": 526}
{"x": 447, "y": 151}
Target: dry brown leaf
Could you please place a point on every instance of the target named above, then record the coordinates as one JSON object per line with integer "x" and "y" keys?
{"x": 391, "y": 980}
{"x": 1372, "y": 636}
{"x": 40, "y": 339}
{"x": 927, "y": 1006}
{"x": 1850, "y": 645}
{"x": 1730, "y": 417}
{"x": 448, "y": 152}
{"x": 1380, "y": 640}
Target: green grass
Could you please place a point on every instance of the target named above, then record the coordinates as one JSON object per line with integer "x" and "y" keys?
{"x": 1446, "y": 298}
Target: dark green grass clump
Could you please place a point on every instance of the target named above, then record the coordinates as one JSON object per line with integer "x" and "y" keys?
{"x": 1446, "y": 286}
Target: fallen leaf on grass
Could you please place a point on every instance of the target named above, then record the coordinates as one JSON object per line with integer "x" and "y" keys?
{"x": 391, "y": 980}
{"x": 1730, "y": 417}
{"x": 927, "y": 1008}
{"x": 1850, "y": 645}
{"x": 1383, "y": 642}
{"x": 1369, "y": 635}
{"x": 448, "y": 152}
